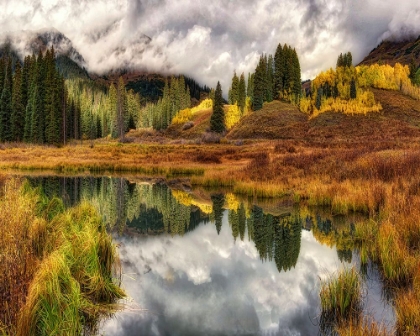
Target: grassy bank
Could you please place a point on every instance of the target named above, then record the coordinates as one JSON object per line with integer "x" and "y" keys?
{"x": 59, "y": 267}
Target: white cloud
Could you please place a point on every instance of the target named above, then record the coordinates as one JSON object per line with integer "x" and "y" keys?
{"x": 194, "y": 37}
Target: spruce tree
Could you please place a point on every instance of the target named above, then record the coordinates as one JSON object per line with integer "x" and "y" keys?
{"x": 259, "y": 82}
{"x": 353, "y": 91}
{"x": 37, "y": 92}
{"x": 25, "y": 80}
{"x": 217, "y": 120}
{"x": 340, "y": 61}
{"x": 242, "y": 93}
{"x": 349, "y": 62}
{"x": 318, "y": 98}
{"x": 234, "y": 90}
{"x": 2, "y": 73}
{"x": 413, "y": 70}
{"x": 121, "y": 109}
{"x": 296, "y": 76}
{"x": 18, "y": 110}
{"x": 269, "y": 79}
{"x": 218, "y": 201}
{"x": 278, "y": 71}
{"x": 250, "y": 86}
{"x": 288, "y": 68}
{"x": 6, "y": 104}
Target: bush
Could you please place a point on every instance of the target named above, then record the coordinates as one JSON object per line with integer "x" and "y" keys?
{"x": 188, "y": 125}
{"x": 211, "y": 137}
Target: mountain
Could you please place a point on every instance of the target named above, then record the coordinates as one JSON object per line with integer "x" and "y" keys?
{"x": 71, "y": 63}
{"x": 28, "y": 42}
{"x": 391, "y": 52}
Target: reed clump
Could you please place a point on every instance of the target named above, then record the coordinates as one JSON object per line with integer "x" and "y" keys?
{"x": 340, "y": 298}
{"x": 69, "y": 264}
{"x": 362, "y": 328}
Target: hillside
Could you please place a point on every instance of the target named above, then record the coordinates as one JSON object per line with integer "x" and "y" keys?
{"x": 399, "y": 118}
{"x": 389, "y": 52}
{"x": 276, "y": 120}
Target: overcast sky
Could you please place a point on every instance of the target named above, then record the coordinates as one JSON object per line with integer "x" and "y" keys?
{"x": 208, "y": 40}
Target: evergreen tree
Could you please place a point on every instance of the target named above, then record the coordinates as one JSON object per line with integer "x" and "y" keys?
{"x": 250, "y": 86}
{"x": 234, "y": 90}
{"x": 340, "y": 61}
{"x": 18, "y": 110}
{"x": 287, "y": 75}
{"x": 269, "y": 79}
{"x": 259, "y": 82}
{"x": 2, "y": 73}
{"x": 278, "y": 72}
{"x": 413, "y": 70}
{"x": 218, "y": 201}
{"x": 353, "y": 91}
{"x": 242, "y": 93}
{"x": 349, "y": 62}
{"x": 318, "y": 98}
{"x": 37, "y": 101}
{"x": 52, "y": 101}
{"x": 121, "y": 109}
{"x": 217, "y": 120}
{"x": 112, "y": 110}
{"x": 25, "y": 80}
{"x": 6, "y": 104}
{"x": 296, "y": 85}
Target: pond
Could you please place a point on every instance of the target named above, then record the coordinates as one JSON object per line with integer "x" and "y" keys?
{"x": 211, "y": 263}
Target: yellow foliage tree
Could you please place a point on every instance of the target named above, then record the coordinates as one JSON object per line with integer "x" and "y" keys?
{"x": 232, "y": 115}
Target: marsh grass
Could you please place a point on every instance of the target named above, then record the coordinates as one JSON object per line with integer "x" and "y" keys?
{"x": 60, "y": 270}
{"x": 362, "y": 328}
{"x": 341, "y": 299}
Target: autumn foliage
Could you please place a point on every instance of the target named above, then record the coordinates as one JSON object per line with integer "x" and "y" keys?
{"x": 332, "y": 89}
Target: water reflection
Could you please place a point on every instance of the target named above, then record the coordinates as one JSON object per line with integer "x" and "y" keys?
{"x": 213, "y": 264}
{"x": 154, "y": 208}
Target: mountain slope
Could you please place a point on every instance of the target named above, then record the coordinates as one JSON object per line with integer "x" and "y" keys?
{"x": 389, "y": 52}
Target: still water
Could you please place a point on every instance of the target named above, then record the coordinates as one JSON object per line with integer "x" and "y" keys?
{"x": 210, "y": 263}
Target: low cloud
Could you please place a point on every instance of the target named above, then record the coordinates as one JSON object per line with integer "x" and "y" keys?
{"x": 209, "y": 40}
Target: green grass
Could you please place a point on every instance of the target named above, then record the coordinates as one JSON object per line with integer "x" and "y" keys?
{"x": 74, "y": 272}
{"x": 340, "y": 297}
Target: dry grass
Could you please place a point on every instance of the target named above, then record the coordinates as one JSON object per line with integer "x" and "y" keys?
{"x": 58, "y": 272}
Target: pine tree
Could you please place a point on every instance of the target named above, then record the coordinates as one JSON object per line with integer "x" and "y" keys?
{"x": 218, "y": 201}
{"x": 234, "y": 90}
{"x": 353, "y": 91}
{"x": 340, "y": 61}
{"x": 296, "y": 86}
{"x": 52, "y": 101}
{"x": 242, "y": 93}
{"x": 37, "y": 101}
{"x": 121, "y": 109}
{"x": 217, "y": 120}
{"x": 25, "y": 80}
{"x": 2, "y": 73}
{"x": 259, "y": 81}
{"x": 413, "y": 70}
{"x": 278, "y": 71}
{"x": 349, "y": 62}
{"x": 250, "y": 86}
{"x": 112, "y": 106}
{"x": 269, "y": 79}
{"x": 18, "y": 110}
{"x": 6, "y": 104}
